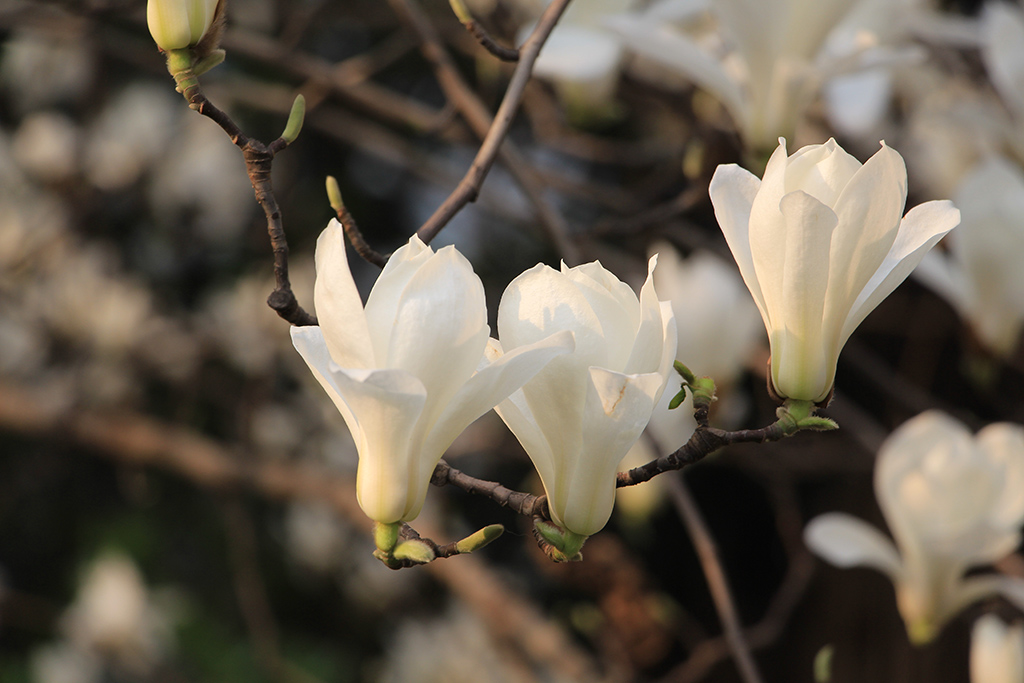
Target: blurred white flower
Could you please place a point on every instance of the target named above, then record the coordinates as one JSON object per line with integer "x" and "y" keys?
{"x": 46, "y": 146}
{"x": 580, "y": 414}
{"x": 952, "y": 503}
{"x": 997, "y": 651}
{"x": 130, "y": 135}
{"x": 114, "y": 617}
{"x": 582, "y": 58}
{"x": 408, "y": 373}
{"x": 981, "y": 274}
{"x": 764, "y": 61}
{"x": 42, "y": 68}
{"x": 820, "y": 242}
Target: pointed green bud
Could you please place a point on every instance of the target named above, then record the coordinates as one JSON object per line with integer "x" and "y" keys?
{"x": 480, "y": 538}
{"x": 461, "y": 11}
{"x": 414, "y": 551}
{"x": 334, "y": 194}
{"x": 823, "y": 664}
{"x": 677, "y": 399}
{"x": 385, "y": 536}
{"x": 295, "y": 119}
{"x": 211, "y": 60}
{"x": 565, "y": 545}
{"x": 684, "y": 372}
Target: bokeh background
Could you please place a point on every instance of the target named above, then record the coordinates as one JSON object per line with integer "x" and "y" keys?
{"x": 176, "y": 492}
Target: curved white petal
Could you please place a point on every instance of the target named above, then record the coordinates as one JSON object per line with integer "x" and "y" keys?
{"x": 869, "y": 210}
{"x": 919, "y": 231}
{"x": 802, "y": 366}
{"x": 338, "y": 306}
{"x": 490, "y": 386}
{"x": 382, "y": 304}
{"x": 732, "y": 191}
{"x": 846, "y": 541}
{"x": 440, "y": 328}
{"x": 618, "y": 407}
{"x": 649, "y": 341}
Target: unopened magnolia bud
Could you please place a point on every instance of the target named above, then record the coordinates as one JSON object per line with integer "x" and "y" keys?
{"x": 178, "y": 24}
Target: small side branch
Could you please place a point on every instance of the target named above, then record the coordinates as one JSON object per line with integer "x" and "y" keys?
{"x": 522, "y": 503}
{"x": 477, "y": 31}
{"x": 704, "y": 441}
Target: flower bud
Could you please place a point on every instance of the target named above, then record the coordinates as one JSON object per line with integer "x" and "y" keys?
{"x": 178, "y": 24}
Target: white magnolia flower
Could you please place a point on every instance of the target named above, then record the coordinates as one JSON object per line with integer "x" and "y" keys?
{"x": 763, "y": 60}
{"x": 820, "y": 242}
{"x": 177, "y": 24}
{"x": 408, "y": 372}
{"x": 580, "y": 414}
{"x": 582, "y": 57}
{"x": 997, "y": 651}
{"x": 981, "y": 274}
{"x": 952, "y": 503}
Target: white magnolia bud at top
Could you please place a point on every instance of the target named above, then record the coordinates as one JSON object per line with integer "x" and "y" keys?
{"x": 177, "y": 24}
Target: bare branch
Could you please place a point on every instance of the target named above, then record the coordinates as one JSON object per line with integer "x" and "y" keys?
{"x": 717, "y": 582}
{"x": 492, "y": 131}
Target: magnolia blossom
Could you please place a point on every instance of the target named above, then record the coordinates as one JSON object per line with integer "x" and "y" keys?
{"x": 763, "y": 60}
{"x": 582, "y": 57}
{"x": 1002, "y": 50}
{"x": 981, "y": 274}
{"x": 952, "y": 503}
{"x": 177, "y": 24}
{"x": 408, "y": 372}
{"x": 820, "y": 242}
{"x": 997, "y": 651}
{"x": 580, "y": 414}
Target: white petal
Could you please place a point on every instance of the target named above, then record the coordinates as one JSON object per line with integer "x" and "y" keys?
{"x": 487, "y": 388}
{"x": 649, "y": 344}
{"x": 440, "y": 329}
{"x": 338, "y": 306}
{"x": 618, "y": 408}
{"x": 920, "y": 230}
{"x": 801, "y": 365}
{"x": 614, "y": 304}
{"x": 732, "y": 191}
{"x": 1003, "y": 443}
{"x": 846, "y": 541}
{"x": 382, "y": 304}
{"x": 387, "y": 405}
{"x": 767, "y": 232}
{"x": 869, "y": 212}
{"x": 1003, "y": 51}
{"x": 822, "y": 171}
{"x": 678, "y": 52}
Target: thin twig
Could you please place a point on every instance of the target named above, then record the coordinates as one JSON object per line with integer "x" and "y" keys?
{"x": 259, "y": 160}
{"x": 356, "y": 239}
{"x": 717, "y": 582}
{"x": 492, "y": 131}
{"x": 477, "y": 31}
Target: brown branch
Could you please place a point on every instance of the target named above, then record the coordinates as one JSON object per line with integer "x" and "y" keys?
{"x": 704, "y": 441}
{"x": 522, "y": 503}
{"x": 258, "y": 163}
{"x": 492, "y": 131}
{"x": 505, "y": 54}
{"x": 718, "y": 584}
{"x": 356, "y": 239}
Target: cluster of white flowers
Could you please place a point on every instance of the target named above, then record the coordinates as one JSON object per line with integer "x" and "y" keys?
{"x": 582, "y": 361}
